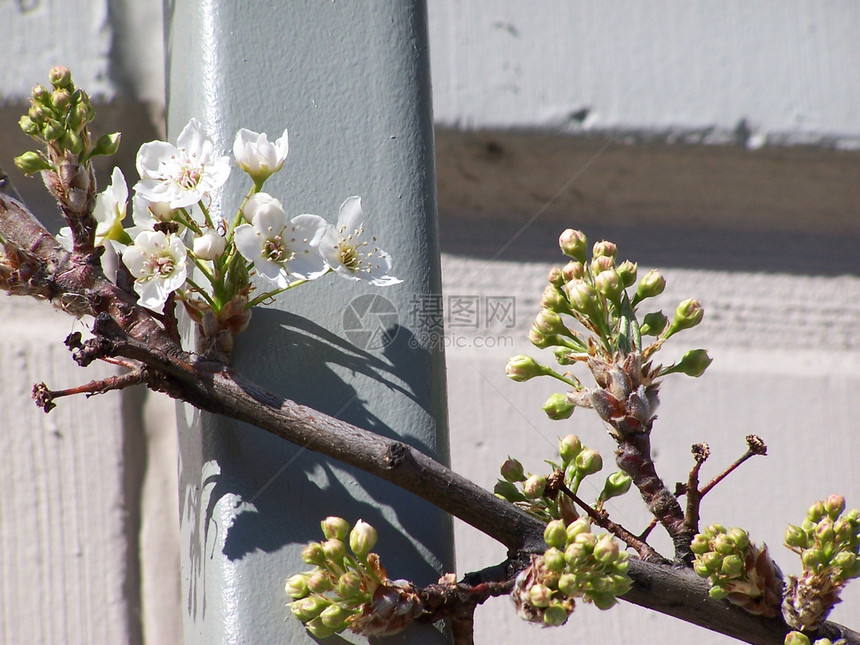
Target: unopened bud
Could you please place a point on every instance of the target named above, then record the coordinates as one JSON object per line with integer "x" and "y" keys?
{"x": 335, "y": 617}
{"x": 313, "y": 554}
{"x": 740, "y": 538}
{"x": 555, "y": 534}
{"x": 512, "y": 470}
{"x": 724, "y": 544}
{"x": 553, "y": 558}
{"x": 700, "y": 544}
{"x": 335, "y": 550}
{"x": 588, "y": 462}
{"x": 555, "y": 277}
{"x": 573, "y": 244}
{"x": 61, "y": 99}
{"x": 540, "y": 595}
{"x": 604, "y": 249}
{"x": 573, "y": 270}
{"x": 316, "y": 628}
{"x": 627, "y": 271}
{"x": 60, "y": 76}
{"x": 688, "y": 314}
{"x": 844, "y": 561}
{"x": 606, "y": 550}
{"x": 559, "y": 407}
{"x": 569, "y": 447}
{"x": 583, "y": 298}
{"x": 693, "y": 363}
{"x": 812, "y": 558}
{"x": 549, "y": 322}
{"x": 651, "y": 284}
{"x": 335, "y": 528}
{"x": 616, "y": 485}
{"x": 297, "y": 586}
{"x": 602, "y": 263}
{"x": 534, "y": 486}
{"x": 582, "y": 525}
{"x": 27, "y": 126}
{"x": 308, "y": 608}
{"x": 522, "y": 368}
{"x": 349, "y": 585}
{"x": 362, "y": 538}
{"x": 31, "y": 162}
{"x": 319, "y": 581}
{"x": 796, "y": 537}
{"x": 609, "y": 284}
{"x": 210, "y": 245}
{"x": 732, "y": 566}
{"x": 555, "y": 615}
{"x": 815, "y": 512}
{"x": 553, "y": 298}
{"x": 107, "y": 144}
{"x": 40, "y": 93}
{"x": 834, "y": 505}
{"x": 796, "y": 638}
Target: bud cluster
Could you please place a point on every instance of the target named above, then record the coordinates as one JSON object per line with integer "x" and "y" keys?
{"x": 738, "y": 570}
{"x": 349, "y": 588}
{"x": 592, "y": 293}
{"x": 576, "y": 564}
{"x": 827, "y": 542}
{"x": 798, "y": 638}
{"x": 59, "y": 118}
{"x": 539, "y": 494}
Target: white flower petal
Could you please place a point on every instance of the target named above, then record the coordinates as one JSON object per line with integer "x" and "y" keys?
{"x": 350, "y": 215}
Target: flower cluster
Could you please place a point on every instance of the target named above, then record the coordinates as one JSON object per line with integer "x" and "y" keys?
{"x": 577, "y": 564}
{"x": 738, "y": 570}
{"x": 827, "y": 542}
{"x": 177, "y": 249}
{"x": 349, "y": 589}
{"x": 539, "y": 495}
{"x": 593, "y": 293}
{"x": 797, "y": 638}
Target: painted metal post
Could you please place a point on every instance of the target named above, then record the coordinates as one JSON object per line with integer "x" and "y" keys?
{"x": 351, "y": 82}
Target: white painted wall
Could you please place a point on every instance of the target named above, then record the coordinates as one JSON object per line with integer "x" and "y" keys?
{"x": 782, "y": 332}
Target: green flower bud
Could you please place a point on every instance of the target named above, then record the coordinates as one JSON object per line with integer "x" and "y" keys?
{"x": 609, "y": 284}
{"x": 588, "y": 462}
{"x": 297, "y": 586}
{"x": 568, "y": 585}
{"x": 335, "y": 550}
{"x": 540, "y": 595}
{"x": 31, "y": 162}
{"x": 701, "y": 569}
{"x": 604, "y": 249}
{"x": 522, "y": 368}
{"x": 317, "y": 629}
{"x": 712, "y": 560}
{"x": 606, "y": 551}
{"x": 555, "y": 535}
{"x": 549, "y": 322}
{"x": 575, "y": 554}
{"x": 335, "y": 617}
{"x": 740, "y": 538}
{"x": 313, "y": 554}
{"x": 40, "y": 93}
{"x": 555, "y": 615}
{"x": 506, "y": 490}
{"x": 335, "y": 528}
{"x": 78, "y": 117}
{"x": 28, "y": 126}
{"x": 349, "y": 585}
{"x": 651, "y": 285}
{"x": 844, "y": 561}
{"x": 512, "y": 470}
{"x": 553, "y": 559}
{"x": 107, "y": 144}
{"x": 723, "y": 544}
{"x": 717, "y": 593}
{"x": 653, "y": 324}
{"x": 815, "y": 512}
{"x": 834, "y": 505}
{"x": 573, "y": 271}
{"x": 796, "y": 638}
{"x": 573, "y": 244}
{"x": 812, "y": 558}
{"x": 616, "y": 485}
{"x": 582, "y": 525}
{"x": 60, "y": 76}
{"x": 541, "y": 340}
{"x": 602, "y": 263}
{"x": 587, "y": 540}
{"x": 553, "y": 298}
{"x": 824, "y": 532}
{"x": 362, "y": 538}
{"x": 61, "y": 99}
{"x": 584, "y": 299}
{"x": 700, "y": 544}
{"x": 534, "y": 486}
{"x": 319, "y": 581}
{"x": 733, "y": 566}
{"x": 72, "y": 142}
{"x": 603, "y": 601}
{"x": 52, "y": 131}
{"x": 688, "y": 314}
{"x": 309, "y": 608}
{"x": 627, "y": 272}
{"x": 796, "y": 537}
{"x": 555, "y": 277}
{"x": 559, "y": 406}
{"x": 37, "y": 114}
{"x": 693, "y": 363}
{"x": 569, "y": 447}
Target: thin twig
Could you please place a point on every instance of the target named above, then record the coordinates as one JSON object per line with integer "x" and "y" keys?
{"x": 755, "y": 446}
{"x": 45, "y": 397}
{"x": 601, "y": 518}
{"x": 701, "y": 452}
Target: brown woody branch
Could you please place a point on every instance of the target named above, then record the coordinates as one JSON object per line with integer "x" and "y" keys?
{"x": 124, "y": 330}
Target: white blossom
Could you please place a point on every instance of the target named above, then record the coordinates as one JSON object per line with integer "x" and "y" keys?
{"x": 110, "y": 208}
{"x": 257, "y": 156}
{"x": 157, "y": 262}
{"x": 182, "y": 174}
{"x": 210, "y": 245}
{"x": 349, "y": 255}
{"x": 282, "y": 250}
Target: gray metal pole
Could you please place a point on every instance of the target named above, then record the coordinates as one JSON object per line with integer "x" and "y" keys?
{"x": 351, "y": 82}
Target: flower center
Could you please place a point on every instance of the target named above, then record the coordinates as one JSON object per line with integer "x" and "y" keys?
{"x": 349, "y": 256}
{"x": 158, "y": 266}
{"x": 275, "y": 250}
{"x": 188, "y": 177}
